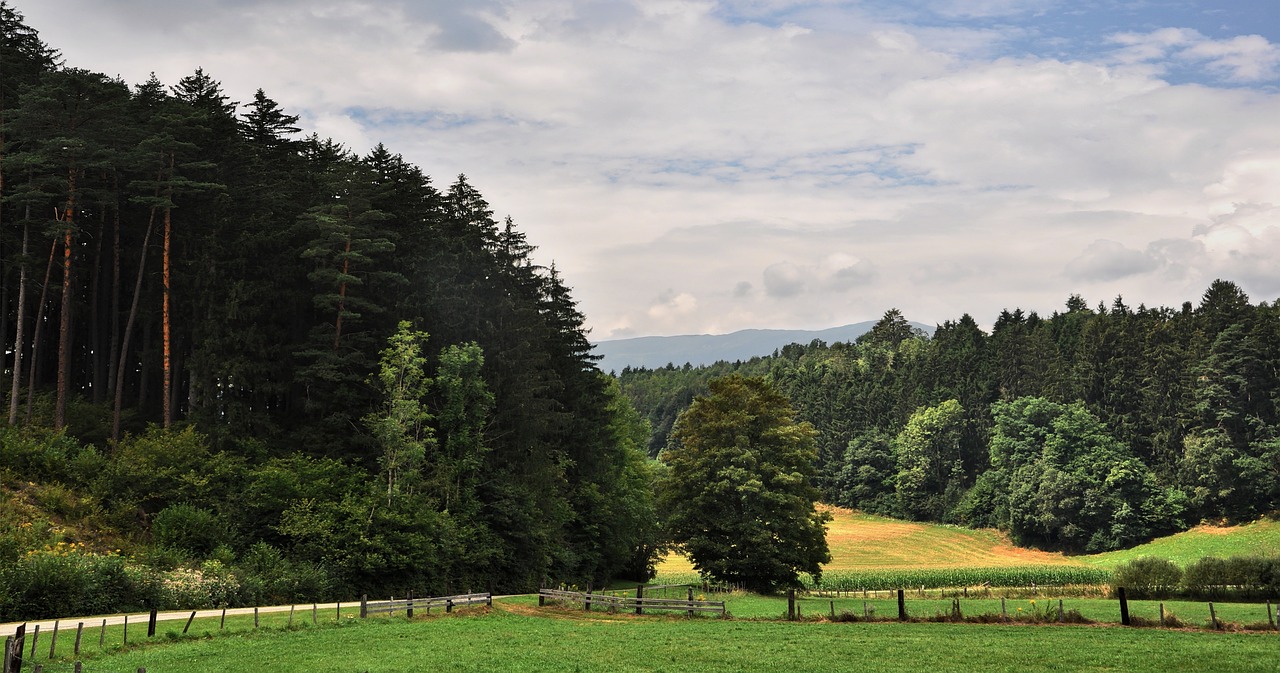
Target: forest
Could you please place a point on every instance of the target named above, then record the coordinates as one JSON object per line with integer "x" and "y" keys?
{"x": 230, "y": 344}
{"x": 1089, "y": 430}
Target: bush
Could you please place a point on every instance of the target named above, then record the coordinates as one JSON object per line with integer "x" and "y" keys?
{"x": 1207, "y": 578}
{"x": 191, "y": 529}
{"x": 43, "y": 455}
{"x": 64, "y": 580}
{"x": 1148, "y": 577}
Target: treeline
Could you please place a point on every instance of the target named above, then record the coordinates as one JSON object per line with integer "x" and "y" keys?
{"x": 380, "y": 378}
{"x": 1091, "y": 429}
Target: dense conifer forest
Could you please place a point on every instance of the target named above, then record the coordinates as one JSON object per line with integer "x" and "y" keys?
{"x": 229, "y": 343}
{"x": 1089, "y": 430}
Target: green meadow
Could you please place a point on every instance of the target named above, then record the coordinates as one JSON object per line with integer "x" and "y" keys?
{"x": 517, "y": 636}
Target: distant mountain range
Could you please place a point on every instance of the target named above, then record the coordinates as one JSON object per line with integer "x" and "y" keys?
{"x": 704, "y": 349}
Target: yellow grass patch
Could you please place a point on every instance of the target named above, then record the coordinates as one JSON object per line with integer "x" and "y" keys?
{"x": 865, "y": 542}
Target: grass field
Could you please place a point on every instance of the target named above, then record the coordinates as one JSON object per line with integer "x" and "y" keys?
{"x": 516, "y": 636}
{"x": 862, "y": 542}
{"x": 1257, "y": 538}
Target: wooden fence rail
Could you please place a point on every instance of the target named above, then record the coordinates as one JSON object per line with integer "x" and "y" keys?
{"x": 408, "y": 605}
{"x": 612, "y": 603}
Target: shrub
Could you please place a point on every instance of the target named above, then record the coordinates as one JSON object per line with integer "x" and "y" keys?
{"x": 1207, "y": 578}
{"x": 64, "y": 579}
{"x": 1148, "y": 577}
{"x": 191, "y": 529}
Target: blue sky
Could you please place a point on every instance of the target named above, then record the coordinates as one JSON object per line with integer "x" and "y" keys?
{"x": 702, "y": 166}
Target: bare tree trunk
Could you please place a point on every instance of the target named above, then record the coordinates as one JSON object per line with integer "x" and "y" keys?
{"x": 166, "y": 378}
{"x": 19, "y": 332}
{"x": 35, "y": 338}
{"x": 114, "y": 363}
{"x": 165, "y": 330}
{"x": 121, "y": 365}
{"x": 97, "y": 363}
{"x": 64, "y": 321}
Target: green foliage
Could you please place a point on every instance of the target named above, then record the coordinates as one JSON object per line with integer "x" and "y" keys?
{"x": 196, "y": 531}
{"x": 401, "y": 427}
{"x": 737, "y": 496}
{"x": 1148, "y": 577}
{"x": 930, "y": 470}
{"x": 1070, "y": 484}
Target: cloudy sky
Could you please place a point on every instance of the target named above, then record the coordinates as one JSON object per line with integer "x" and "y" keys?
{"x": 701, "y": 167}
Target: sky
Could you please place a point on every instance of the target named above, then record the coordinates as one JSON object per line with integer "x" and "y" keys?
{"x": 703, "y": 167}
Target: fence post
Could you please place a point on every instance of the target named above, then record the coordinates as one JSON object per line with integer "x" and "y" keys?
{"x": 364, "y": 606}
{"x": 542, "y": 599}
{"x": 35, "y": 638}
{"x": 1213, "y": 617}
{"x": 102, "y": 635}
{"x": 53, "y": 639}
{"x": 408, "y": 610}
{"x": 1004, "y": 613}
{"x": 79, "y": 632}
{"x": 19, "y": 641}
{"x": 255, "y": 616}
{"x": 639, "y": 598}
{"x": 902, "y": 606}
{"x": 1124, "y": 606}
{"x": 448, "y": 605}
{"x": 586, "y": 603}
{"x": 690, "y": 601}
{"x": 1270, "y": 622}
{"x": 126, "y": 629}
{"x": 791, "y": 605}
{"x": 1162, "y": 613}
{"x": 189, "y": 620}
{"x": 8, "y": 655}
{"x": 79, "y": 667}
{"x": 1060, "y": 610}
{"x": 222, "y": 623}
{"x": 314, "y": 609}
{"x": 290, "y": 624}
{"x": 151, "y": 623}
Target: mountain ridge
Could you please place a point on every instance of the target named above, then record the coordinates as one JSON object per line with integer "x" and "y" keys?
{"x": 652, "y": 352}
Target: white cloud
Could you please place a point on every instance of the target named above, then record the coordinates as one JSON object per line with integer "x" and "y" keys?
{"x": 779, "y": 163}
{"x": 1243, "y": 58}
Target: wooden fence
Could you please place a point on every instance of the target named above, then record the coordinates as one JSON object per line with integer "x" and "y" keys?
{"x": 614, "y": 603}
{"x": 409, "y": 604}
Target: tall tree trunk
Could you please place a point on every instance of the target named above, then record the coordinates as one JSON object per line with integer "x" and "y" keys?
{"x": 342, "y": 295}
{"x": 64, "y": 321}
{"x": 165, "y": 337}
{"x": 19, "y": 331}
{"x": 97, "y": 362}
{"x": 35, "y": 338}
{"x": 114, "y": 363}
{"x": 128, "y": 333}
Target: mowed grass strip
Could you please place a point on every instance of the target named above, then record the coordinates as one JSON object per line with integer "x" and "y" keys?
{"x": 522, "y": 638}
{"x": 1260, "y": 538}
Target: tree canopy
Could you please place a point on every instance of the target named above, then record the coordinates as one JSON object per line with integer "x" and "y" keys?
{"x": 1131, "y": 422}
{"x": 183, "y": 271}
{"x": 738, "y": 495}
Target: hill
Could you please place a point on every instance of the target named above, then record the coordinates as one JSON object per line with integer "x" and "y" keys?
{"x": 705, "y": 349}
{"x": 866, "y": 542}
{"x": 1260, "y": 538}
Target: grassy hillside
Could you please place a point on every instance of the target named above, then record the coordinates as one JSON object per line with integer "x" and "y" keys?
{"x": 1261, "y": 537}
{"x": 864, "y": 542}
